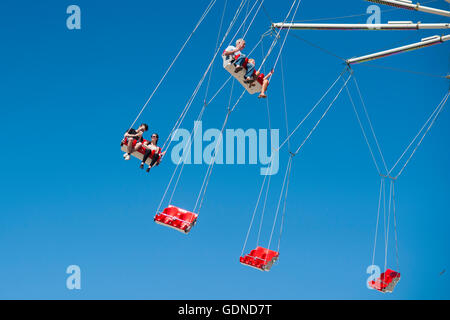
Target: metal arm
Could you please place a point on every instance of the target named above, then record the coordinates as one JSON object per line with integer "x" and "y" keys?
{"x": 408, "y": 5}
{"x": 392, "y": 25}
{"x": 424, "y": 43}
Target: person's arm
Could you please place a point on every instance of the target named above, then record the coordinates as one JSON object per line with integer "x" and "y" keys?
{"x": 269, "y": 75}
{"x": 135, "y": 136}
{"x": 229, "y": 53}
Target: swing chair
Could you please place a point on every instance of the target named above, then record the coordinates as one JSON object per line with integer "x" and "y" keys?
{"x": 386, "y": 282}
{"x": 260, "y": 258}
{"x": 252, "y": 87}
{"x": 177, "y": 219}
{"x": 139, "y": 154}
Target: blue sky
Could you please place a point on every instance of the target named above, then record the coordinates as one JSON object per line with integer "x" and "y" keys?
{"x": 68, "y": 197}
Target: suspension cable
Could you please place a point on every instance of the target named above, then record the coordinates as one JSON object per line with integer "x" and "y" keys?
{"x": 378, "y": 220}
{"x": 208, "y": 9}
{"x": 280, "y": 198}
{"x": 254, "y": 213}
{"x": 191, "y": 99}
{"x": 312, "y": 110}
{"x": 363, "y": 131}
{"x": 370, "y": 122}
{"x": 286, "y": 36}
{"x": 395, "y": 227}
{"x": 288, "y": 170}
{"x": 433, "y": 119}
{"x": 318, "y": 47}
{"x": 388, "y": 226}
{"x": 206, "y": 180}
{"x": 285, "y": 103}
{"x": 323, "y": 115}
{"x": 217, "y": 43}
{"x": 268, "y": 183}
{"x": 285, "y": 202}
{"x": 275, "y": 40}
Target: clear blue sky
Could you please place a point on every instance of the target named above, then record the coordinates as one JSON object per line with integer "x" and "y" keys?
{"x": 67, "y": 196}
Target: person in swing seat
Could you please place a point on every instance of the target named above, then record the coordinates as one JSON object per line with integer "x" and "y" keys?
{"x": 152, "y": 149}
{"x": 240, "y": 60}
{"x": 262, "y": 79}
{"x": 133, "y": 135}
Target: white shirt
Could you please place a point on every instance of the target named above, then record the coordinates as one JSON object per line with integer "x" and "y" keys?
{"x": 152, "y": 147}
{"x": 227, "y": 59}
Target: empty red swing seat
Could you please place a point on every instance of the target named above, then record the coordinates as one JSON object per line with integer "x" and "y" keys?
{"x": 260, "y": 258}
{"x": 176, "y": 218}
{"x": 386, "y": 282}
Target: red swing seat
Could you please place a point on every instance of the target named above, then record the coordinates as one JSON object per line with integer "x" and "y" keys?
{"x": 176, "y": 218}
{"x": 386, "y": 282}
{"x": 141, "y": 151}
{"x": 260, "y": 258}
{"x": 251, "y": 88}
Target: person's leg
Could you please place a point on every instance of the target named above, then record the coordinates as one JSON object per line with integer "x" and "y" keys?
{"x": 154, "y": 160}
{"x": 146, "y": 155}
{"x": 130, "y": 146}
{"x": 126, "y": 156}
{"x": 250, "y": 70}
{"x": 264, "y": 89}
{"x": 240, "y": 60}
{"x": 137, "y": 146}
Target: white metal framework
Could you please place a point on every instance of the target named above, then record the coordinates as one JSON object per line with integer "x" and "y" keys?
{"x": 392, "y": 25}
{"x": 409, "y": 5}
{"x": 423, "y": 43}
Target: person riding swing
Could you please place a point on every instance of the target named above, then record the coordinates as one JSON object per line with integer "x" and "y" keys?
{"x": 239, "y": 60}
{"x": 134, "y": 139}
{"x": 262, "y": 79}
{"x": 152, "y": 150}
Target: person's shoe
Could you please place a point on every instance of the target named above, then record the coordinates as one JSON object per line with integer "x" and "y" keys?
{"x": 249, "y": 80}
{"x": 262, "y": 96}
{"x": 141, "y": 166}
{"x": 127, "y": 157}
{"x": 238, "y": 68}
{"x": 148, "y": 169}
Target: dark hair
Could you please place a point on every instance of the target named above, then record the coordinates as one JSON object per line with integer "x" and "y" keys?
{"x": 145, "y": 126}
{"x": 157, "y": 137}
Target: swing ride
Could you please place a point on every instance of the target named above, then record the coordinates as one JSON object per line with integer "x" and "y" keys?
{"x": 140, "y": 152}
{"x": 263, "y": 257}
{"x": 176, "y": 218}
{"x": 253, "y": 87}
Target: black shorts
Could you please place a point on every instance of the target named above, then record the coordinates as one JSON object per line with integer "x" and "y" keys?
{"x": 132, "y": 131}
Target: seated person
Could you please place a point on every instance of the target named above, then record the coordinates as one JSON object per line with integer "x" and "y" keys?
{"x": 152, "y": 148}
{"x": 239, "y": 60}
{"x": 263, "y": 80}
{"x": 134, "y": 135}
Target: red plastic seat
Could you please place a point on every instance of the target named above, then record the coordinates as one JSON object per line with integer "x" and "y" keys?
{"x": 176, "y": 218}
{"x": 139, "y": 153}
{"x": 386, "y": 282}
{"x": 260, "y": 258}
